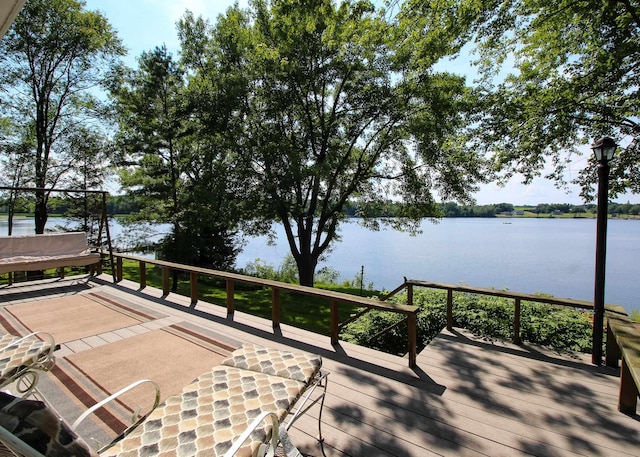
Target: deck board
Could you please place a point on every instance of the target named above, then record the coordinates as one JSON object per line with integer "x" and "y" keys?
{"x": 467, "y": 396}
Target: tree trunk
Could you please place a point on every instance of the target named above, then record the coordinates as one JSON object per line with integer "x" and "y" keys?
{"x": 40, "y": 214}
{"x": 13, "y": 196}
{"x": 307, "y": 269}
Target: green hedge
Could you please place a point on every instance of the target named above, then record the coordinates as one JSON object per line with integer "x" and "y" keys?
{"x": 558, "y": 328}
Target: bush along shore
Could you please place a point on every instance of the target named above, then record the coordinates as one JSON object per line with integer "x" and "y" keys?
{"x": 561, "y": 329}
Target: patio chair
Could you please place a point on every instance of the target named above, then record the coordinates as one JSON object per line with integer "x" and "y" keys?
{"x": 22, "y": 358}
{"x": 236, "y": 409}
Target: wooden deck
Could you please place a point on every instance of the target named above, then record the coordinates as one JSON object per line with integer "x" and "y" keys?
{"x": 468, "y": 397}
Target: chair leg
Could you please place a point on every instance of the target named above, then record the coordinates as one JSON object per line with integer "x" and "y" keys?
{"x": 287, "y": 445}
{"x": 324, "y": 394}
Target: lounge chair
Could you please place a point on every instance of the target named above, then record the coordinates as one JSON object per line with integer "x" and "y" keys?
{"x": 22, "y": 358}
{"x": 237, "y": 408}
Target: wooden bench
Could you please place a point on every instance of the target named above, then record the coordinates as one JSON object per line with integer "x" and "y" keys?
{"x": 623, "y": 343}
{"x": 41, "y": 252}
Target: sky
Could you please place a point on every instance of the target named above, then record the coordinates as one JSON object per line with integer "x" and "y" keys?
{"x": 144, "y": 24}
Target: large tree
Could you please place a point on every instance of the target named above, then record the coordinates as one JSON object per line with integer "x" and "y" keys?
{"x": 572, "y": 71}
{"x": 51, "y": 62}
{"x": 175, "y": 163}
{"x": 329, "y": 114}
{"x": 149, "y": 108}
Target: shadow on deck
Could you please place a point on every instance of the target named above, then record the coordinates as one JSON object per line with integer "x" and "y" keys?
{"x": 466, "y": 397}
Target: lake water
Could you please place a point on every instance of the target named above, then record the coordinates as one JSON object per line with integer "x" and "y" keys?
{"x": 554, "y": 256}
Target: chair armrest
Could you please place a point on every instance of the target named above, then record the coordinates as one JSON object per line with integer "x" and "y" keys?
{"x": 14, "y": 443}
{"x": 134, "y": 419}
{"x": 257, "y": 422}
{"x": 47, "y": 337}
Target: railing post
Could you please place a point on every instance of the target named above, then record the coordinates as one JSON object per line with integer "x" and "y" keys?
{"x": 231, "y": 305}
{"x": 516, "y": 322}
{"x": 119, "y": 274}
{"x": 612, "y": 350}
{"x": 193, "y": 276}
{"x": 142, "y": 266}
{"x": 412, "y": 323}
{"x": 335, "y": 322}
{"x": 165, "y": 281}
{"x": 410, "y": 294}
{"x": 275, "y": 303}
{"x": 449, "y": 309}
{"x": 61, "y": 272}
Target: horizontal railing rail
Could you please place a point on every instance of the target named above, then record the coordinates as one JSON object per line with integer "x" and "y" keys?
{"x": 518, "y": 297}
{"x": 334, "y": 298}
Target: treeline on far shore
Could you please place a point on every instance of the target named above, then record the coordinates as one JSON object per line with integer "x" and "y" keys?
{"x": 125, "y": 204}
{"x": 628, "y": 210}
{"x": 452, "y": 209}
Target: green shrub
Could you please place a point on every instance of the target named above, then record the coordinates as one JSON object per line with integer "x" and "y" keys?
{"x": 431, "y": 320}
{"x": 559, "y": 328}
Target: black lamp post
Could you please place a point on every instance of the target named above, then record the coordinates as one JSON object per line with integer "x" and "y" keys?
{"x": 604, "y": 149}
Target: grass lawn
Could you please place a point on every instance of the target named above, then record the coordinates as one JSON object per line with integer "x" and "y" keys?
{"x": 309, "y": 313}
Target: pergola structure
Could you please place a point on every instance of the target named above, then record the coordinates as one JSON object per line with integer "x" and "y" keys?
{"x": 9, "y": 9}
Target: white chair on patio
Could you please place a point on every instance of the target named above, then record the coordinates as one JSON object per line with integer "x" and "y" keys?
{"x": 22, "y": 358}
{"x": 238, "y": 408}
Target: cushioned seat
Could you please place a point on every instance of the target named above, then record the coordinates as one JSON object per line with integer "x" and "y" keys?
{"x": 210, "y": 413}
{"x": 19, "y": 356}
{"x": 44, "y": 251}
{"x": 301, "y": 366}
{"x": 37, "y": 429}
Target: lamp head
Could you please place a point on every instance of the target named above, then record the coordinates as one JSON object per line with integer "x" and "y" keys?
{"x": 604, "y": 148}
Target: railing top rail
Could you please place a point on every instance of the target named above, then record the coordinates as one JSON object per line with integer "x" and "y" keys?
{"x": 583, "y": 304}
{"x": 53, "y": 189}
{"x": 311, "y": 291}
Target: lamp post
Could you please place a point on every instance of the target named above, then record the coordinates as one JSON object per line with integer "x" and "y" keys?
{"x": 604, "y": 149}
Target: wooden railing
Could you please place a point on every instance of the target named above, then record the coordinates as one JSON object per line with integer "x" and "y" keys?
{"x": 410, "y": 284}
{"x": 334, "y": 298}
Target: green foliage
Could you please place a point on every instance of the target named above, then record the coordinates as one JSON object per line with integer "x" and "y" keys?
{"x": 51, "y": 60}
{"x": 572, "y": 78}
{"x": 318, "y": 110}
{"x": 287, "y": 272}
{"x": 490, "y": 317}
{"x": 431, "y": 320}
{"x": 177, "y": 172}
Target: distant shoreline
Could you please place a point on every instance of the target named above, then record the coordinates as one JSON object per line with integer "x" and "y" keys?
{"x": 526, "y": 215}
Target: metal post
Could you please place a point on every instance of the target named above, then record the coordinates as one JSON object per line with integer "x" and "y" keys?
{"x": 601, "y": 255}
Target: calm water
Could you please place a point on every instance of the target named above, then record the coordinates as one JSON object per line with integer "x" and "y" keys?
{"x": 554, "y": 256}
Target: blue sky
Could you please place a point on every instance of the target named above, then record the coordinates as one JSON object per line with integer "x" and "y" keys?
{"x": 145, "y": 24}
